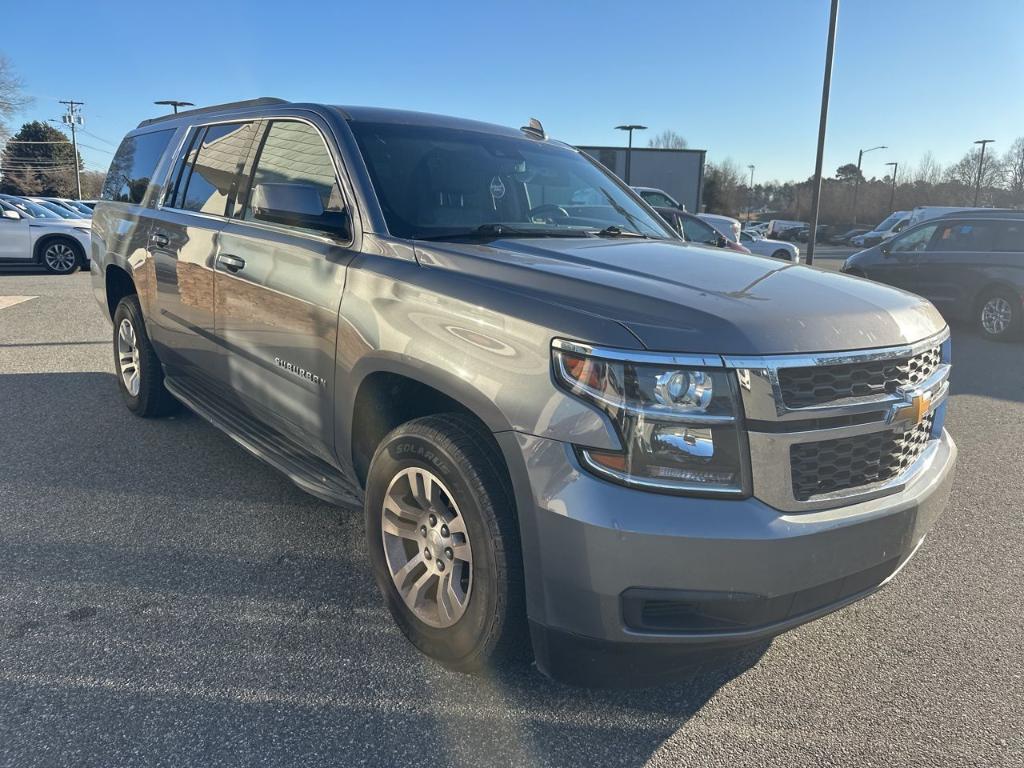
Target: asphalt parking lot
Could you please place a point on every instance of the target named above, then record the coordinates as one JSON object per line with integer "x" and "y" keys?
{"x": 165, "y": 599}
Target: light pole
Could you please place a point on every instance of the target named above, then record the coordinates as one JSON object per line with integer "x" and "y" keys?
{"x": 750, "y": 193}
{"x": 174, "y": 104}
{"x": 981, "y": 164}
{"x": 892, "y": 194}
{"x": 826, "y": 85}
{"x": 856, "y": 181}
{"x": 629, "y": 149}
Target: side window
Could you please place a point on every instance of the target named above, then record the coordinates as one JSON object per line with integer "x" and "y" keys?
{"x": 696, "y": 231}
{"x": 1010, "y": 236}
{"x": 209, "y": 181}
{"x": 914, "y": 241}
{"x": 294, "y": 182}
{"x": 133, "y": 166}
{"x": 964, "y": 236}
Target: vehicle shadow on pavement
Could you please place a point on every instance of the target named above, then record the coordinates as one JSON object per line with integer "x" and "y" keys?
{"x": 986, "y": 368}
{"x": 168, "y": 597}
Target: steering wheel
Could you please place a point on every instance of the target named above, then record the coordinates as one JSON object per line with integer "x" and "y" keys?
{"x": 548, "y": 211}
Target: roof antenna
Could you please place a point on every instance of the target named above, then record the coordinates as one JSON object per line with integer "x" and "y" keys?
{"x": 534, "y": 128}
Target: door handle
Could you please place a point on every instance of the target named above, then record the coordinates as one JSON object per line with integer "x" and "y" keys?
{"x": 159, "y": 239}
{"x": 231, "y": 263}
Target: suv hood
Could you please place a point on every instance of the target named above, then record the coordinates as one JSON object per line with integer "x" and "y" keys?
{"x": 680, "y": 298}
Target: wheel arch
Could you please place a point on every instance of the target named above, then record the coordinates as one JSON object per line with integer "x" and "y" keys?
{"x": 118, "y": 283}
{"x": 390, "y": 392}
{"x": 992, "y": 285}
{"x": 50, "y": 237}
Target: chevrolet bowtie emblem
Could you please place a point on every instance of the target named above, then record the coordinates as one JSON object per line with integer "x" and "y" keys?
{"x": 913, "y": 411}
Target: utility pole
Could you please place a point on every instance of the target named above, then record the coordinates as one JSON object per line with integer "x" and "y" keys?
{"x": 750, "y": 193}
{"x": 981, "y": 164}
{"x": 822, "y": 123}
{"x": 73, "y": 118}
{"x": 629, "y": 149}
{"x": 892, "y": 194}
{"x": 856, "y": 182}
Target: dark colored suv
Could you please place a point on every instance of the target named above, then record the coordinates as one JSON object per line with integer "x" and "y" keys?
{"x": 970, "y": 265}
{"x": 569, "y": 430}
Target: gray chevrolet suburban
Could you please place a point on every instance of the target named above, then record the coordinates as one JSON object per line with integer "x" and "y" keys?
{"x": 571, "y": 433}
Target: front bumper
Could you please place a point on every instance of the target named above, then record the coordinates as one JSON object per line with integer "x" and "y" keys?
{"x": 625, "y": 585}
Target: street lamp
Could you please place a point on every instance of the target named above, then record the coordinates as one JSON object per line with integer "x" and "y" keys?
{"x": 981, "y": 163}
{"x": 174, "y": 104}
{"x": 856, "y": 181}
{"x": 892, "y": 194}
{"x": 826, "y": 85}
{"x": 629, "y": 149}
{"x": 750, "y": 193}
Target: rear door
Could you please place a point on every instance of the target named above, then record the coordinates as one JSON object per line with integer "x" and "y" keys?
{"x": 183, "y": 244}
{"x": 280, "y": 273}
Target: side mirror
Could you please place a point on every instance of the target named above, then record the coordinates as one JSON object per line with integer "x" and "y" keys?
{"x": 721, "y": 242}
{"x": 886, "y": 249}
{"x": 10, "y": 215}
{"x": 297, "y": 205}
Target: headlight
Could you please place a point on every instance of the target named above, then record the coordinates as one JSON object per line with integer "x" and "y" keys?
{"x": 679, "y": 423}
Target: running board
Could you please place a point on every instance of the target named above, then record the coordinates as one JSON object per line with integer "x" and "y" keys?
{"x": 311, "y": 473}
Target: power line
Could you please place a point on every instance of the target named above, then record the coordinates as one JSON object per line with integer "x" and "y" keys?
{"x": 99, "y": 138}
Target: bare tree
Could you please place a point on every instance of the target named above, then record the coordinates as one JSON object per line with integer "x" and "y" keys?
{"x": 965, "y": 170}
{"x": 668, "y": 139}
{"x": 928, "y": 171}
{"x": 1013, "y": 163}
{"x": 12, "y": 98}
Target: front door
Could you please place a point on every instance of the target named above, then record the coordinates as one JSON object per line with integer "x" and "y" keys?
{"x": 901, "y": 258}
{"x": 280, "y": 273}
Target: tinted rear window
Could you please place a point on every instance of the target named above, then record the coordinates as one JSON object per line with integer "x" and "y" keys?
{"x": 133, "y": 166}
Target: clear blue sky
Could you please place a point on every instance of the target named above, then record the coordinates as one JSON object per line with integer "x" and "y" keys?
{"x": 740, "y": 79}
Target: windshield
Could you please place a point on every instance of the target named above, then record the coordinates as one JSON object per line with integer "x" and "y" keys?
{"x": 32, "y": 209}
{"x": 888, "y": 223}
{"x": 443, "y": 182}
{"x": 60, "y": 210}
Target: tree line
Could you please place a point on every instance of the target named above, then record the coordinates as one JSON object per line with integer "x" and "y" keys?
{"x": 727, "y": 192}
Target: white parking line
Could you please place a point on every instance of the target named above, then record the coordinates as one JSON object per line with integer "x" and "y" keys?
{"x": 10, "y": 301}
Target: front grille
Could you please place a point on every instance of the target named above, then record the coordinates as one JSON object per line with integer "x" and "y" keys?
{"x": 828, "y": 466}
{"x": 819, "y": 385}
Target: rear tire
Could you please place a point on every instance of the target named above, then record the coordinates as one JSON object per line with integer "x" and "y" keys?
{"x": 61, "y": 255}
{"x": 441, "y": 527}
{"x": 140, "y": 376}
{"x": 999, "y": 315}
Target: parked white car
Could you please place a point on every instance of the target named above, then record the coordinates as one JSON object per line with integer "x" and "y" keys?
{"x": 776, "y": 249}
{"x": 890, "y": 226}
{"x": 59, "y": 245}
{"x": 727, "y": 225}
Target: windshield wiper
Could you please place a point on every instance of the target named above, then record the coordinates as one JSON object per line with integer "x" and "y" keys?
{"x": 616, "y": 231}
{"x": 489, "y": 231}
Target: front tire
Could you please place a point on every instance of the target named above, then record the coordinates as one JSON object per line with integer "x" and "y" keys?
{"x": 781, "y": 254}
{"x": 999, "y": 315}
{"x": 140, "y": 376}
{"x": 443, "y": 541}
{"x": 61, "y": 256}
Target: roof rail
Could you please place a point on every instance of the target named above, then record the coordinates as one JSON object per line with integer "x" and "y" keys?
{"x": 260, "y": 102}
{"x": 981, "y": 213}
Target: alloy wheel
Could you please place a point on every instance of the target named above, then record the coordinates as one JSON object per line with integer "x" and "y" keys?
{"x": 60, "y": 257}
{"x": 128, "y": 357}
{"x": 996, "y": 315}
{"x": 427, "y": 547}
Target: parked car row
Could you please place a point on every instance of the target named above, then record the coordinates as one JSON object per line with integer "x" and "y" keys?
{"x": 49, "y": 231}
